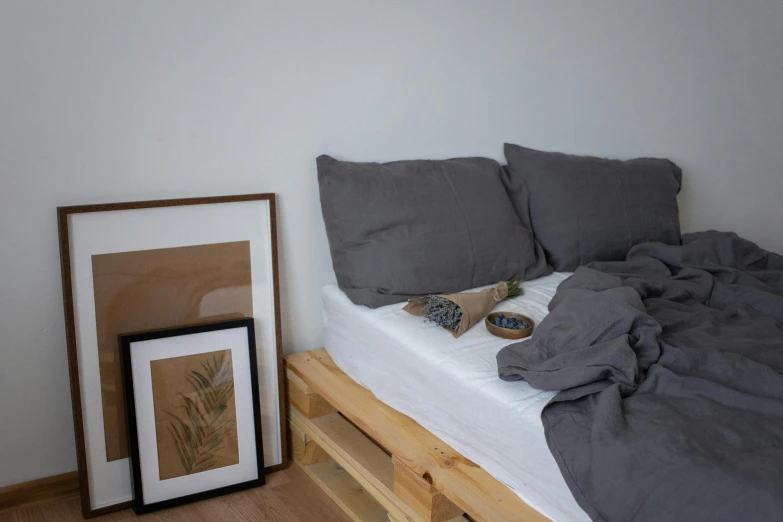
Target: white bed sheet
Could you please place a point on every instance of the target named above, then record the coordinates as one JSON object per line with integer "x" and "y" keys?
{"x": 451, "y": 387}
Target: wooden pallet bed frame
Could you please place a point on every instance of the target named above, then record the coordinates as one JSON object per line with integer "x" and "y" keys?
{"x": 378, "y": 464}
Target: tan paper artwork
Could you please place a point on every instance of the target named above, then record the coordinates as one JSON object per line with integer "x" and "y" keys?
{"x": 161, "y": 288}
{"x": 195, "y": 413}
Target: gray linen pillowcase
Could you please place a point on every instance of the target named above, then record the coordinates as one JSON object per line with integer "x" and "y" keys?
{"x": 584, "y": 209}
{"x": 409, "y": 228}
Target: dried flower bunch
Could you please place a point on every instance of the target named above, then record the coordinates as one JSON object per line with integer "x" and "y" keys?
{"x": 443, "y": 312}
{"x": 458, "y": 312}
{"x": 514, "y": 286}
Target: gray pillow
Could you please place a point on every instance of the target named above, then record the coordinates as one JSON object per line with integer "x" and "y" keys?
{"x": 584, "y": 209}
{"x": 408, "y": 228}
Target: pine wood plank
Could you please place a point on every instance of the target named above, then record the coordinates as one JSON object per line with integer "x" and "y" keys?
{"x": 351, "y": 444}
{"x": 308, "y": 403}
{"x": 368, "y": 464}
{"x": 421, "y": 496}
{"x": 462, "y": 481}
{"x": 305, "y": 450}
{"x": 343, "y": 489}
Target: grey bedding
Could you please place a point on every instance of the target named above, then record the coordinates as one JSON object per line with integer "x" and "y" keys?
{"x": 410, "y": 228}
{"x": 583, "y": 208}
{"x": 669, "y": 367}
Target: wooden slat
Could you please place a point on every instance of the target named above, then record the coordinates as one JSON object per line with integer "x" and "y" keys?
{"x": 294, "y": 380}
{"x": 310, "y": 404}
{"x": 354, "y": 447}
{"x": 346, "y": 492}
{"x": 471, "y": 488}
{"x": 458, "y": 519}
{"x": 305, "y": 450}
{"x": 370, "y": 466}
{"x": 40, "y": 490}
{"x": 421, "y": 495}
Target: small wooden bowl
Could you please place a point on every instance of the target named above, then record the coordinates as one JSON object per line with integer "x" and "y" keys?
{"x": 508, "y": 333}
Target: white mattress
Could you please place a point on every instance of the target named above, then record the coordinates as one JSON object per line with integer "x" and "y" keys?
{"x": 451, "y": 387}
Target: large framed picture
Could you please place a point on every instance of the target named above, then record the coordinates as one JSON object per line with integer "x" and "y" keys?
{"x": 130, "y": 267}
{"x": 194, "y": 423}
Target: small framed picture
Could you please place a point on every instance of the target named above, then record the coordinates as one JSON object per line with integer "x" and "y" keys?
{"x": 194, "y": 422}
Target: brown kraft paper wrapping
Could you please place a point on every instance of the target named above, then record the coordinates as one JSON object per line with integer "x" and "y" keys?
{"x": 474, "y": 305}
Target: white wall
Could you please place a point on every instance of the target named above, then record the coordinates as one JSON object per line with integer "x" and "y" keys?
{"x": 122, "y": 100}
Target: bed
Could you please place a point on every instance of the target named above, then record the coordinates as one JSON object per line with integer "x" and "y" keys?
{"x": 661, "y": 353}
{"x": 402, "y": 359}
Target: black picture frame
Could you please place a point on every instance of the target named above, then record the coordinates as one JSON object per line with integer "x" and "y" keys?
{"x": 126, "y": 341}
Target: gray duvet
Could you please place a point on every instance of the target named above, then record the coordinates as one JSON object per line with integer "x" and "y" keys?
{"x": 669, "y": 367}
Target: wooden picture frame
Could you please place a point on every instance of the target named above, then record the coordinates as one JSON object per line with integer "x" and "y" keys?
{"x": 243, "y": 370}
{"x": 197, "y": 209}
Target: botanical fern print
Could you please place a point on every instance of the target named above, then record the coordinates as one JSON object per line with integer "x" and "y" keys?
{"x": 203, "y": 430}
{"x": 199, "y": 432}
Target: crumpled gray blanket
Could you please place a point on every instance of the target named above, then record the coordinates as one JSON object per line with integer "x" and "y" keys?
{"x": 669, "y": 367}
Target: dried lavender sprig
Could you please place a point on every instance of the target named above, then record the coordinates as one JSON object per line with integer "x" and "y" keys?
{"x": 514, "y": 287}
{"x": 443, "y": 312}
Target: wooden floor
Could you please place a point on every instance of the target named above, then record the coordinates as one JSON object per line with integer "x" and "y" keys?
{"x": 289, "y": 496}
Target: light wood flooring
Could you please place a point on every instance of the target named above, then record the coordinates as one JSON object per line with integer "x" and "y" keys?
{"x": 288, "y": 496}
